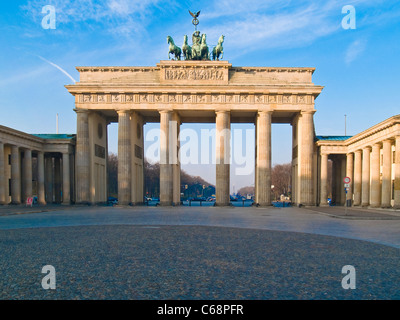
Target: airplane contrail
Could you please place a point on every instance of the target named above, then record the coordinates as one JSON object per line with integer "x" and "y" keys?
{"x": 59, "y": 68}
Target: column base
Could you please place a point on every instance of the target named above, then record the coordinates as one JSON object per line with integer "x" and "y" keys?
{"x": 84, "y": 203}
{"x": 264, "y": 204}
{"x": 222, "y": 204}
{"x": 165, "y": 203}
{"x": 307, "y": 205}
{"x": 124, "y": 204}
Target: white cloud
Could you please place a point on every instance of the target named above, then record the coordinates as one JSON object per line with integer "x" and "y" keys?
{"x": 292, "y": 27}
{"x": 116, "y": 16}
{"x": 17, "y": 78}
{"x": 262, "y": 24}
{"x": 355, "y": 49}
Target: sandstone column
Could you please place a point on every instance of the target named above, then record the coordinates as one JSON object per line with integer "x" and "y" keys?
{"x": 176, "y": 165}
{"x": 375, "y": 176}
{"x": 15, "y": 175}
{"x": 41, "y": 192}
{"x": 66, "y": 180}
{"x": 397, "y": 174}
{"x": 166, "y": 170}
{"x": 49, "y": 179}
{"x": 263, "y": 170}
{"x": 306, "y": 162}
{"x": 324, "y": 180}
{"x": 357, "y": 177}
{"x": 340, "y": 177}
{"x": 27, "y": 171}
{"x": 365, "y": 177}
{"x": 2, "y": 176}
{"x": 387, "y": 174}
{"x": 335, "y": 197}
{"x": 82, "y": 158}
{"x": 57, "y": 179}
{"x": 124, "y": 157}
{"x": 223, "y": 136}
{"x": 349, "y": 173}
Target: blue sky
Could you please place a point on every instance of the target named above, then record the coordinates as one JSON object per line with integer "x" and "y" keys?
{"x": 359, "y": 68}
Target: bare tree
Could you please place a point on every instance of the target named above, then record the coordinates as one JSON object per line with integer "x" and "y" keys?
{"x": 281, "y": 177}
{"x": 246, "y": 190}
{"x": 112, "y": 174}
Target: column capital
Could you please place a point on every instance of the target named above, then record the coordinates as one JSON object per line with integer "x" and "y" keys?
{"x": 308, "y": 112}
{"x": 222, "y": 111}
{"x": 124, "y": 111}
{"x": 84, "y": 111}
{"x": 264, "y": 112}
{"x": 390, "y": 140}
{"x": 162, "y": 111}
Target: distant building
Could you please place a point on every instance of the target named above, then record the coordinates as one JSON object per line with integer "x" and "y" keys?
{"x": 39, "y": 165}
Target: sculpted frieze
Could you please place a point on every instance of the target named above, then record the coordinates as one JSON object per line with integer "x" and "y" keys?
{"x": 287, "y": 98}
{"x": 129, "y": 98}
{"x": 259, "y": 98}
{"x": 157, "y": 98}
{"x": 194, "y": 74}
{"x": 87, "y": 98}
{"x": 115, "y": 98}
{"x": 195, "y": 98}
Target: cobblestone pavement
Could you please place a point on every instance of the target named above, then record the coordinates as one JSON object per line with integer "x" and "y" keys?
{"x": 201, "y": 253}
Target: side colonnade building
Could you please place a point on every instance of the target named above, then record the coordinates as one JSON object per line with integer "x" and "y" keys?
{"x": 36, "y": 165}
{"x": 371, "y": 159}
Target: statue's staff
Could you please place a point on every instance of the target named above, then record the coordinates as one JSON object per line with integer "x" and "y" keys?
{"x": 195, "y": 21}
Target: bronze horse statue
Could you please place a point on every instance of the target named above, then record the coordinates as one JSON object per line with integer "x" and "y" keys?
{"x": 175, "y": 50}
{"x": 186, "y": 49}
{"x": 218, "y": 50}
{"x": 205, "y": 55}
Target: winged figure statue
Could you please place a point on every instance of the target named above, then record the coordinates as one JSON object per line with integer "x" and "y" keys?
{"x": 194, "y": 15}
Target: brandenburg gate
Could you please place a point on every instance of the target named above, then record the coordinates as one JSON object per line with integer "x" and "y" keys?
{"x": 199, "y": 89}
{"x": 191, "y": 91}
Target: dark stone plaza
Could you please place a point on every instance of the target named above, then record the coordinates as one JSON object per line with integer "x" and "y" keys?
{"x": 158, "y": 253}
